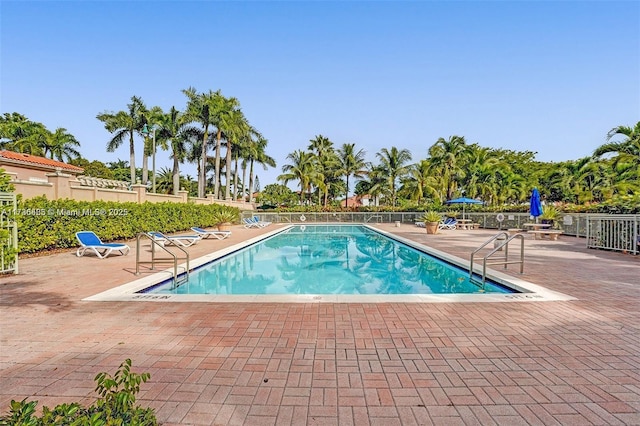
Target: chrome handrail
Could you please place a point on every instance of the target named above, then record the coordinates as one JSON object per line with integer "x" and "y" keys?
{"x": 173, "y": 259}
{"x": 377, "y": 216}
{"x": 505, "y": 261}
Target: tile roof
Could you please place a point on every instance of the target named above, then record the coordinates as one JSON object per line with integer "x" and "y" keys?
{"x": 40, "y": 161}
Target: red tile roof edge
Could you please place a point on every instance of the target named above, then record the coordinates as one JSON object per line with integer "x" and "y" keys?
{"x": 40, "y": 161}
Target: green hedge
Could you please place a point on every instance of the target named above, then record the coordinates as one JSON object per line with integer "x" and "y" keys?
{"x": 50, "y": 224}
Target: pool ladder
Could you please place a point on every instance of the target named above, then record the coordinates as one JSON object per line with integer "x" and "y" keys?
{"x": 502, "y": 240}
{"x": 156, "y": 260}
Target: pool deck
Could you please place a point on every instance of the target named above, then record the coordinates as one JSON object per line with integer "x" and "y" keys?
{"x": 550, "y": 363}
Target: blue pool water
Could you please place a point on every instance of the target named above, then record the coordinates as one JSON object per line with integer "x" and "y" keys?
{"x": 328, "y": 259}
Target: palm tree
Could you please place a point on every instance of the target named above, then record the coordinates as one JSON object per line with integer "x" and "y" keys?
{"x": 395, "y": 164}
{"x": 375, "y": 184}
{"x": 61, "y": 145}
{"x": 223, "y": 111}
{"x": 352, "y": 162}
{"x": 199, "y": 109}
{"x": 175, "y": 129}
{"x": 164, "y": 181}
{"x": 420, "y": 182}
{"x": 627, "y": 149}
{"x": 320, "y": 145}
{"x": 19, "y": 134}
{"x": 446, "y": 155}
{"x": 257, "y": 154}
{"x": 328, "y": 164}
{"x": 123, "y": 124}
{"x": 152, "y": 118}
{"x": 300, "y": 169}
{"x": 237, "y": 129}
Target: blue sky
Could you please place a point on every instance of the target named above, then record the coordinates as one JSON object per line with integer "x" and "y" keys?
{"x": 549, "y": 77}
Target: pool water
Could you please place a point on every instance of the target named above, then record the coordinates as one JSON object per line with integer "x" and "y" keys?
{"x": 328, "y": 259}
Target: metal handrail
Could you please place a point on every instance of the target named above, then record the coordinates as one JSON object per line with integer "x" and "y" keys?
{"x": 173, "y": 259}
{"x": 505, "y": 260}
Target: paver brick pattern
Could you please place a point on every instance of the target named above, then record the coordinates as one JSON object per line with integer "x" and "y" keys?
{"x": 531, "y": 363}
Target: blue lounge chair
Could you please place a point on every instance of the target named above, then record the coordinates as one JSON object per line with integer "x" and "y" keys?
{"x": 250, "y": 223}
{"x": 89, "y": 241}
{"x": 203, "y": 233}
{"x": 177, "y": 240}
{"x": 262, "y": 223}
{"x": 449, "y": 223}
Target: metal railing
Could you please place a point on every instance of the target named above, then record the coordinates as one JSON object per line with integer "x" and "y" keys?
{"x": 502, "y": 245}
{"x": 602, "y": 231}
{"x": 619, "y": 232}
{"x": 8, "y": 234}
{"x": 156, "y": 260}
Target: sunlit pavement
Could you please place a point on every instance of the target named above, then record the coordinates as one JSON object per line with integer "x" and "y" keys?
{"x": 554, "y": 363}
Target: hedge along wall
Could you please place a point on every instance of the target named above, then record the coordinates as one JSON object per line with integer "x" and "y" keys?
{"x": 49, "y": 224}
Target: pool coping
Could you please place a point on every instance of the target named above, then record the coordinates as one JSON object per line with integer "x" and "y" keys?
{"x": 529, "y": 292}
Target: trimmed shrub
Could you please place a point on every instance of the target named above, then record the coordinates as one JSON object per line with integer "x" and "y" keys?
{"x": 51, "y": 224}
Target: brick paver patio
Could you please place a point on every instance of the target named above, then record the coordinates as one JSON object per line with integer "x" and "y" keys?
{"x": 549, "y": 363}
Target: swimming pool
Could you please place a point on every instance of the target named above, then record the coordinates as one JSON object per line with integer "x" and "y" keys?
{"x": 328, "y": 260}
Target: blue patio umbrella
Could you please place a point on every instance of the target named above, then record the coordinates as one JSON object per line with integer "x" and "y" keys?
{"x": 535, "y": 206}
{"x": 464, "y": 201}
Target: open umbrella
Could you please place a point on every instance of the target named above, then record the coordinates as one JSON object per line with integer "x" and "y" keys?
{"x": 535, "y": 206}
{"x": 464, "y": 201}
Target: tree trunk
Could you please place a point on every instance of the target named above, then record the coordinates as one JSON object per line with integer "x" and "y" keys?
{"x": 244, "y": 179}
{"x": 145, "y": 168}
{"x": 176, "y": 175}
{"x": 227, "y": 193}
{"x": 251, "y": 182}
{"x": 202, "y": 170}
{"x": 235, "y": 180}
{"x": 132, "y": 159}
{"x": 216, "y": 187}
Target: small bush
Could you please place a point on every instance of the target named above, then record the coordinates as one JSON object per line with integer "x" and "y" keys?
{"x": 116, "y": 405}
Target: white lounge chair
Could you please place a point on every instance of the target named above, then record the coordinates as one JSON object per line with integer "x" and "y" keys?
{"x": 204, "y": 234}
{"x": 90, "y": 241}
{"x": 178, "y": 240}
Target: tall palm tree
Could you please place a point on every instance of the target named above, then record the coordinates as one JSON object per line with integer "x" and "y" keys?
{"x": 300, "y": 169}
{"x": 352, "y": 162}
{"x": 222, "y": 117}
{"x": 61, "y": 145}
{"x": 152, "y": 118}
{"x": 125, "y": 124}
{"x": 447, "y": 154}
{"x": 320, "y": 145}
{"x": 242, "y": 151}
{"x": 257, "y": 154}
{"x": 200, "y": 108}
{"x": 395, "y": 163}
{"x": 237, "y": 129}
{"x": 328, "y": 164}
{"x": 175, "y": 129}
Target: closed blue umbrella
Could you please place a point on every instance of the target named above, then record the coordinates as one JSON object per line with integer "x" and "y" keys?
{"x": 535, "y": 206}
{"x": 463, "y": 201}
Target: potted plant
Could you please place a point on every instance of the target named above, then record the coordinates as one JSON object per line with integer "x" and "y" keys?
{"x": 224, "y": 218}
{"x": 549, "y": 215}
{"x": 431, "y": 221}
